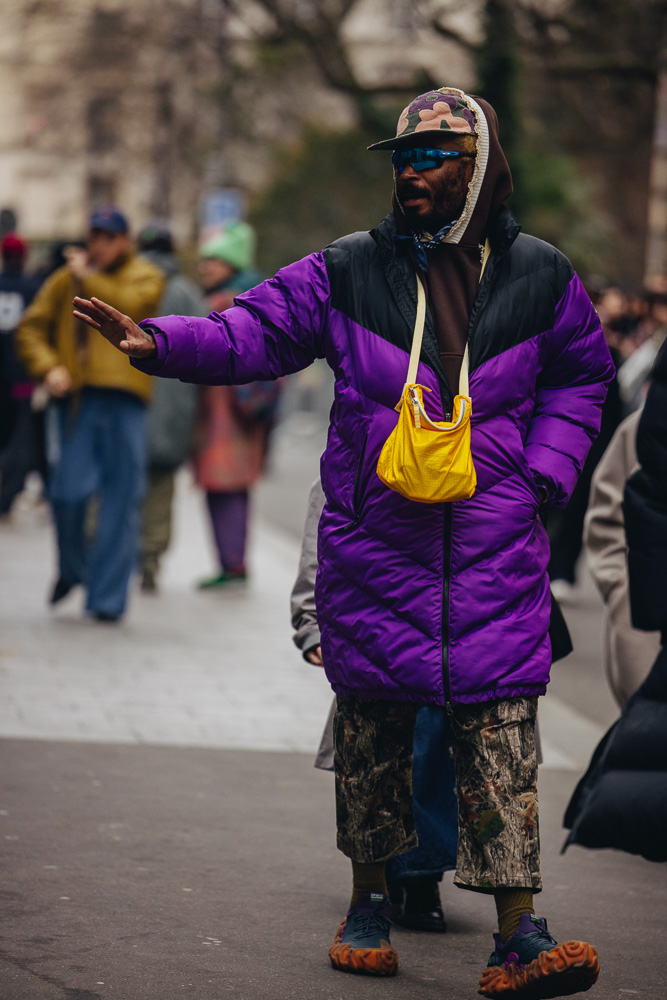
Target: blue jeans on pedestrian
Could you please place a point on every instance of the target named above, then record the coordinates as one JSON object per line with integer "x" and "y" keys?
{"x": 102, "y": 452}
{"x": 433, "y": 801}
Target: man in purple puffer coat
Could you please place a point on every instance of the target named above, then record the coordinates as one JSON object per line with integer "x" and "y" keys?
{"x": 448, "y": 603}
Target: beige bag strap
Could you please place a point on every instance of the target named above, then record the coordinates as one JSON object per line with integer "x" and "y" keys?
{"x": 418, "y": 332}
{"x": 464, "y": 389}
{"x": 418, "y": 335}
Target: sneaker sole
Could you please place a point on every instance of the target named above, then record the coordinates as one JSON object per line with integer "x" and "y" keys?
{"x": 569, "y": 968}
{"x": 362, "y": 961}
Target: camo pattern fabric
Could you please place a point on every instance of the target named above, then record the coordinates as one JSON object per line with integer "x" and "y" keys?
{"x": 496, "y": 776}
{"x": 373, "y": 768}
{"x": 444, "y": 112}
{"x": 496, "y": 770}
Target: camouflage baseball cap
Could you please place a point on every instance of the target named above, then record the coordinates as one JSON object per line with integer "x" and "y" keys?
{"x": 443, "y": 112}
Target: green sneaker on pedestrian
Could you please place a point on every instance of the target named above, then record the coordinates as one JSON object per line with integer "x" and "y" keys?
{"x": 533, "y": 966}
{"x": 222, "y": 579}
{"x": 362, "y": 942}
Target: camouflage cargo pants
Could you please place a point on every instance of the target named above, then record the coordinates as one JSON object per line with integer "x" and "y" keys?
{"x": 496, "y": 776}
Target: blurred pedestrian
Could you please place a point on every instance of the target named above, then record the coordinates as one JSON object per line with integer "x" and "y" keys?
{"x": 413, "y": 877}
{"x": 24, "y": 447}
{"x": 649, "y": 336}
{"x": 634, "y": 326}
{"x": 233, "y": 422}
{"x": 172, "y": 410}
{"x": 621, "y": 801}
{"x": 446, "y": 602}
{"x": 8, "y": 222}
{"x": 628, "y": 653}
{"x": 99, "y": 407}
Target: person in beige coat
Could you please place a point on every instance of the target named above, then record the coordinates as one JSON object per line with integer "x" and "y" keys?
{"x": 628, "y": 653}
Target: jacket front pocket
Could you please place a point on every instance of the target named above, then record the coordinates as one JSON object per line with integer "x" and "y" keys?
{"x": 343, "y": 468}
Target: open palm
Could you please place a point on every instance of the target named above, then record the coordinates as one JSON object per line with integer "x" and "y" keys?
{"x": 119, "y": 330}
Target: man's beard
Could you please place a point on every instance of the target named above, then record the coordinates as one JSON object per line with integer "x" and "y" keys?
{"x": 445, "y": 207}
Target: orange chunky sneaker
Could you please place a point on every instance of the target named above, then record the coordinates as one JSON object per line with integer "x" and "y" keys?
{"x": 533, "y": 966}
{"x": 362, "y": 941}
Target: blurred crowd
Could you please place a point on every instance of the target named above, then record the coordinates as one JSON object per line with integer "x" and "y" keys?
{"x": 635, "y": 325}
{"x": 105, "y": 440}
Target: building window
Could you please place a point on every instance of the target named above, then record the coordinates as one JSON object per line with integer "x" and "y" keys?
{"x": 101, "y": 191}
{"x": 102, "y": 124}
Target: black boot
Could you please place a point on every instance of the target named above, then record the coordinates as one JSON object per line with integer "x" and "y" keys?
{"x": 61, "y": 589}
{"x": 417, "y": 904}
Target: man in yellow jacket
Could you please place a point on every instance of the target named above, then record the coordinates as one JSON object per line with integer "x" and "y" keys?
{"x": 100, "y": 410}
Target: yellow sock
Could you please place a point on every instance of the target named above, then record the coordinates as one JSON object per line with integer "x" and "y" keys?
{"x": 367, "y": 878}
{"x": 510, "y": 904}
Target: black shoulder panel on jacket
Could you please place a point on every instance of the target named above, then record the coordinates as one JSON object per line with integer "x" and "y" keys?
{"x": 358, "y": 277}
{"x": 373, "y": 283}
{"x": 518, "y": 297}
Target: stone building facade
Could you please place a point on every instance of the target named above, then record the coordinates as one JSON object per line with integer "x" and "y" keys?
{"x": 136, "y": 103}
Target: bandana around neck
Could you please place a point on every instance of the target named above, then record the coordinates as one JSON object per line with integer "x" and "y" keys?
{"x": 424, "y": 241}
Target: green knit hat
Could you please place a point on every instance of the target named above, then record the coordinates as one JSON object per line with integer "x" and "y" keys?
{"x": 235, "y": 245}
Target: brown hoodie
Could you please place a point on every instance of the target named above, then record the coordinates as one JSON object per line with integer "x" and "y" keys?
{"x": 454, "y": 268}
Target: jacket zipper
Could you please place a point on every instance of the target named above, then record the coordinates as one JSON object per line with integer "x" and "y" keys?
{"x": 446, "y": 571}
{"x": 477, "y": 310}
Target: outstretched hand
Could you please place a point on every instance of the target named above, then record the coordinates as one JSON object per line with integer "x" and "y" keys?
{"x": 118, "y": 329}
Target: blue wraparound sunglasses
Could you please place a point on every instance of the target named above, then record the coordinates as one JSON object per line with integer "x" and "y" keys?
{"x": 424, "y": 159}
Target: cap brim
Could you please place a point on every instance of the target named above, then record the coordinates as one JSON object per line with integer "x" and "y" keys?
{"x": 415, "y": 138}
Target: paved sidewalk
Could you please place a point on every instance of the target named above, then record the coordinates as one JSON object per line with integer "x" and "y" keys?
{"x": 190, "y": 668}
{"x": 185, "y": 668}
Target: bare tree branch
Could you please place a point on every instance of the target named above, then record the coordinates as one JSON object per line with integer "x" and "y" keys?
{"x": 452, "y": 36}
{"x": 606, "y": 67}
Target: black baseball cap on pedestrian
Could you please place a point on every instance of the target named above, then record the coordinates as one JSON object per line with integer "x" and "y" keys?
{"x": 156, "y": 235}
{"x": 109, "y": 220}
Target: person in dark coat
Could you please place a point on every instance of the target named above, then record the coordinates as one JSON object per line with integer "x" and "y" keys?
{"x": 621, "y": 801}
{"x": 171, "y": 414}
{"x": 22, "y": 434}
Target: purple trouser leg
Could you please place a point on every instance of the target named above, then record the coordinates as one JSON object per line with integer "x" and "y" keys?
{"x": 229, "y": 519}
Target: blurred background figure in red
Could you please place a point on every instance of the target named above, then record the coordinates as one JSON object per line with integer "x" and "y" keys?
{"x": 234, "y": 422}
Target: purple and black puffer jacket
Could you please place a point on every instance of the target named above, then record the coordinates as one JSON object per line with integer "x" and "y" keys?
{"x": 425, "y": 602}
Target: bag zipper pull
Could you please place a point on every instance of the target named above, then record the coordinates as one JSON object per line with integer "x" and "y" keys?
{"x": 415, "y": 407}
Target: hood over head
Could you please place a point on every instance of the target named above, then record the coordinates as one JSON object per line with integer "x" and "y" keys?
{"x": 453, "y": 262}
{"x": 450, "y": 111}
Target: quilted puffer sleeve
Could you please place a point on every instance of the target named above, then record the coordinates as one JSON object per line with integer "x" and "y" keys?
{"x": 646, "y": 509}
{"x": 576, "y": 367}
{"x": 274, "y": 329}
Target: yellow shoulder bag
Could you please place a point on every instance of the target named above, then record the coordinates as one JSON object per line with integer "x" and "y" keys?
{"x": 425, "y": 460}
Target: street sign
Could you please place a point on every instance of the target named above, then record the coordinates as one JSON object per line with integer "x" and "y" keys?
{"x": 219, "y": 208}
